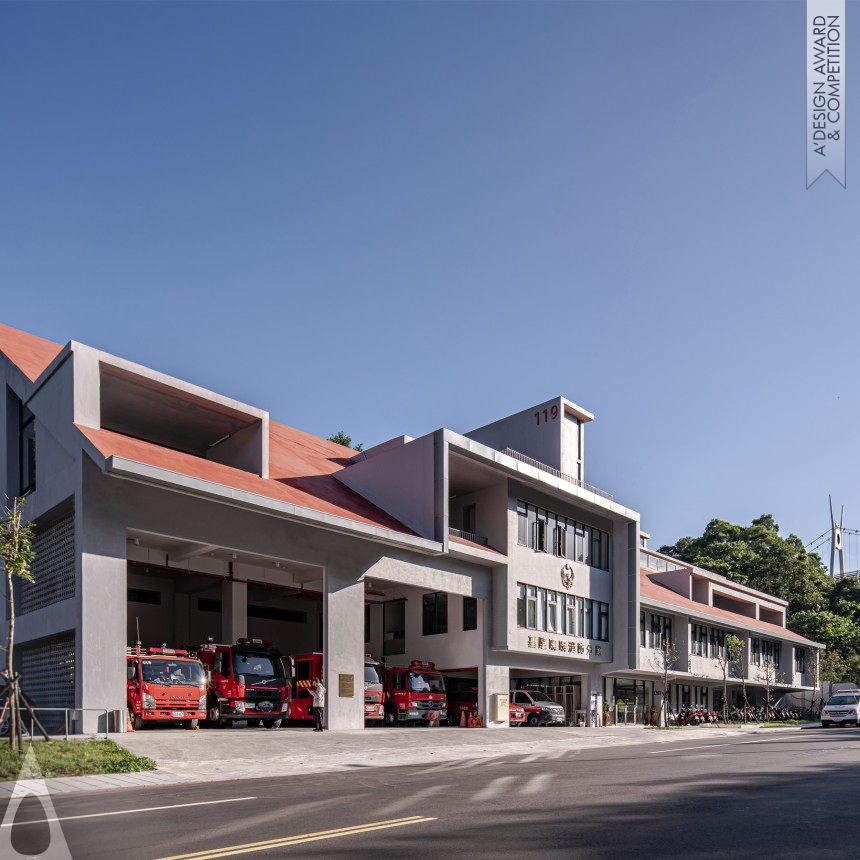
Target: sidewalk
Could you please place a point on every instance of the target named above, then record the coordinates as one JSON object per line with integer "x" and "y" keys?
{"x": 252, "y": 753}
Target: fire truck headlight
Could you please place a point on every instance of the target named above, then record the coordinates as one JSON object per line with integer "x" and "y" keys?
{"x": 201, "y": 703}
{"x": 285, "y": 708}
{"x": 238, "y": 707}
{"x": 148, "y": 701}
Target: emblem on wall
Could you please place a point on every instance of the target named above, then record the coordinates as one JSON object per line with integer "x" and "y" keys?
{"x": 567, "y": 576}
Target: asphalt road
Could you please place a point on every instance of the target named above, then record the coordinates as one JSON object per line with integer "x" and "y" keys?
{"x": 789, "y": 794}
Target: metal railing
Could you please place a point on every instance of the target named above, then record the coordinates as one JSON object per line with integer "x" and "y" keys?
{"x": 549, "y": 469}
{"x": 71, "y": 716}
{"x": 469, "y": 536}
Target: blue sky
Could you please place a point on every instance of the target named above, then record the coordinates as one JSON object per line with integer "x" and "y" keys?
{"x": 390, "y": 217}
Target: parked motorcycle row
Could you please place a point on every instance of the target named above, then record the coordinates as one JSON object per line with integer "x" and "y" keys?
{"x": 697, "y": 716}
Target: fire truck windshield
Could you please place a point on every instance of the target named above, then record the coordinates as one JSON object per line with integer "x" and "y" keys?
{"x": 259, "y": 669}
{"x": 371, "y": 675}
{"x": 172, "y": 672}
{"x": 421, "y": 683}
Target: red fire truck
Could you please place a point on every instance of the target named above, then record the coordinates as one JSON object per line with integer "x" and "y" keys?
{"x": 415, "y": 694}
{"x": 246, "y": 681}
{"x": 164, "y": 684}
{"x": 306, "y": 667}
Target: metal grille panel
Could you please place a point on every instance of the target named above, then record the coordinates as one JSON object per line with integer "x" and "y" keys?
{"x": 48, "y": 672}
{"x": 53, "y": 567}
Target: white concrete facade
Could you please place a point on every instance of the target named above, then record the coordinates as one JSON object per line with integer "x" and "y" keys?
{"x": 168, "y": 509}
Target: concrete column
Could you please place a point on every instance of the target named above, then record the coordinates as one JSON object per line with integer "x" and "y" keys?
{"x": 103, "y": 601}
{"x": 234, "y": 610}
{"x": 493, "y": 679}
{"x": 343, "y": 646}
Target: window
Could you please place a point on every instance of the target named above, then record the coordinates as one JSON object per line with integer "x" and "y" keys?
{"x": 536, "y": 527}
{"x": 553, "y": 612}
{"x": 531, "y": 599}
{"x": 27, "y": 453}
{"x": 756, "y": 652}
{"x": 661, "y": 630}
{"x": 470, "y": 613}
{"x": 799, "y": 659}
{"x": 699, "y": 640}
{"x": 641, "y": 629}
{"x": 539, "y": 539}
{"x": 718, "y": 643}
{"x": 435, "y": 613}
{"x": 139, "y": 595}
{"x": 522, "y": 524}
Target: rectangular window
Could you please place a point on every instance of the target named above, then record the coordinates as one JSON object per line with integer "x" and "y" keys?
{"x": 641, "y": 629}
{"x": 470, "y": 613}
{"x": 435, "y": 613}
{"x": 589, "y": 620}
{"x": 756, "y": 652}
{"x": 522, "y": 524}
{"x": 139, "y": 595}
{"x": 27, "y": 453}
{"x": 531, "y": 601}
{"x": 560, "y": 541}
{"x": 541, "y": 609}
{"x": 581, "y": 553}
{"x": 539, "y": 540}
{"x": 521, "y": 605}
{"x": 552, "y": 616}
{"x": 603, "y": 632}
{"x": 661, "y": 630}
{"x": 570, "y": 615}
{"x": 718, "y": 643}
{"x": 532, "y": 527}
{"x": 799, "y": 659}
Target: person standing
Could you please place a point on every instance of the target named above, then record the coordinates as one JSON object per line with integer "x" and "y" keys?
{"x": 319, "y": 704}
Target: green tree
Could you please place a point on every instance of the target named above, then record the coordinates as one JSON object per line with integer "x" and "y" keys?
{"x": 341, "y": 438}
{"x": 16, "y": 538}
{"x": 758, "y": 556}
{"x": 840, "y": 633}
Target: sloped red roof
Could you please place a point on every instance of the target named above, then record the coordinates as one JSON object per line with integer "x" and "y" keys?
{"x": 649, "y": 588}
{"x": 301, "y": 472}
{"x": 30, "y": 354}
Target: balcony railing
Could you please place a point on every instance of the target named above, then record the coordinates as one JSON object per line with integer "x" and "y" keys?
{"x": 469, "y": 536}
{"x": 549, "y": 469}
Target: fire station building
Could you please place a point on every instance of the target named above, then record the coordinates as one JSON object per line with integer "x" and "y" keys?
{"x": 168, "y": 513}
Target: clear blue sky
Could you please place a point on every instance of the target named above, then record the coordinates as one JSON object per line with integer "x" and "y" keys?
{"x": 391, "y": 217}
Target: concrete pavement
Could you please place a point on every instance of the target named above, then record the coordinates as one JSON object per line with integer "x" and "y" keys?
{"x": 251, "y": 752}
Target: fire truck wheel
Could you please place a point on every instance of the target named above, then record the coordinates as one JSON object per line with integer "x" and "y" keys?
{"x": 390, "y": 718}
{"x": 271, "y": 724}
{"x": 137, "y": 722}
{"x": 534, "y": 720}
{"x": 216, "y": 718}
{"x": 452, "y": 720}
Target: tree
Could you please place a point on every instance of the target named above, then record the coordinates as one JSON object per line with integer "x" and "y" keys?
{"x": 726, "y": 658}
{"x": 840, "y": 633}
{"x": 341, "y": 438}
{"x": 757, "y": 556}
{"x": 16, "y": 538}
{"x": 769, "y": 675}
{"x": 664, "y": 661}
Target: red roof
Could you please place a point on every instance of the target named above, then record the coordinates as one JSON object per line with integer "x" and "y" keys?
{"x": 30, "y": 354}
{"x": 301, "y": 472}
{"x": 649, "y": 588}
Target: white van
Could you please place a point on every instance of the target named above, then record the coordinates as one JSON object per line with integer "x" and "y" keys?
{"x": 843, "y": 708}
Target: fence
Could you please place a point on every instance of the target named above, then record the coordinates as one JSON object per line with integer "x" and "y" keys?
{"x": 70, "y": 723}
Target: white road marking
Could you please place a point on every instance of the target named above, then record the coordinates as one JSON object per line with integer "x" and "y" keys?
{"x": 412, "y": 799}
{"x": 130, "y": 811}
{"x": 496, "y": 787}
{"x": 537, "y": 784}
{"x": 727, "y": 744}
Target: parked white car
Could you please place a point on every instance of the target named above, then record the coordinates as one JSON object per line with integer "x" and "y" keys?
{"x": 842, "y": 709}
